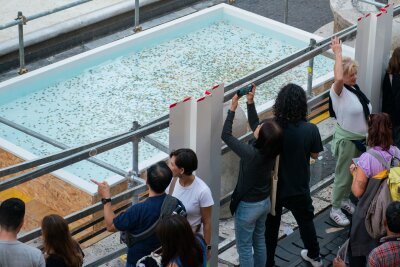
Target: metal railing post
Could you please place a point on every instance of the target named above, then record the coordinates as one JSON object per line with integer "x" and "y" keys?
{"x": 135, "y": 150}
{"x": 137, "y": 28}
{"x": 285, "y": 14}
{"x": 310, "y": 70}
{"x": 22, "y": 21}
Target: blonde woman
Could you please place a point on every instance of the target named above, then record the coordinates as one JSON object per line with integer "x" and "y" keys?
{"x": 351, "y": 108}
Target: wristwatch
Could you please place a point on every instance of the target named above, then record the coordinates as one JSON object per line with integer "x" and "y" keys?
{"x": 105, "y": 200}
{"x": 208, "y": 247}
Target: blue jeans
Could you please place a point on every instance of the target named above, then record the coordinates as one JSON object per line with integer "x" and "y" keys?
{"x": 250, "y": 220}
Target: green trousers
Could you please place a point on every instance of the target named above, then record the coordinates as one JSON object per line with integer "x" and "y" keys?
{"x": 343, "y": 178}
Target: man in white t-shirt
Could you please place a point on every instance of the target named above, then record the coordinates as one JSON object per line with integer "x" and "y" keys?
{"x": 192, "y": 191}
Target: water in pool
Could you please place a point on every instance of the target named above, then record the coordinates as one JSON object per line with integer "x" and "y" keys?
{"x": 104, "y": 100}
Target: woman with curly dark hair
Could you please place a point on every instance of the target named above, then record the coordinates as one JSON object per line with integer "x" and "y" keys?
{"x": 60, "y": 249}
{"x": 301, "y": 140}
{"x": 180, "y": 246}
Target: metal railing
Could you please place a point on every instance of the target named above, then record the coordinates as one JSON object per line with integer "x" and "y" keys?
{"x": 21, "y": 20}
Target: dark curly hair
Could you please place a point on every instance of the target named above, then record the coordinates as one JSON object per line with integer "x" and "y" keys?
{"x": 290, "y": 104}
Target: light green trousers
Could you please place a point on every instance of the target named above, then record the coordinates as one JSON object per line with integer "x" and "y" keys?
{"x": 343, "y": 178}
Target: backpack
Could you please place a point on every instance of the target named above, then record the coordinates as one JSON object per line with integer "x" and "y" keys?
{"x": 152, "y": 260}
{"x": 169, "y": 206}
{"x": 376, "y": 211}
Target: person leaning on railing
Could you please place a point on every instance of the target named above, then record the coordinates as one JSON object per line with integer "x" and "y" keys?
{"x": 141, "y": 216}
{"x": 351, "y": 109}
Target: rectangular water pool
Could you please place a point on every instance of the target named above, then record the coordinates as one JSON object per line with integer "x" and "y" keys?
{"x": 101, "y": 92}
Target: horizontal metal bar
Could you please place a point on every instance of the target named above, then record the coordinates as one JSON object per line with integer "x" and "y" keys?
{"x": 160, "y": 146}
{"x": 55, "y": 143}
{"x": 373, "y": 3}
{"x": 58, "y": 155}
{"x": 45, "y": 13}
{"x": 91, "y": 152}
{"x": 89, "y": 210}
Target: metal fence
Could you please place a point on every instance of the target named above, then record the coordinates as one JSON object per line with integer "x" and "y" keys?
{"x": 21, "y": 20}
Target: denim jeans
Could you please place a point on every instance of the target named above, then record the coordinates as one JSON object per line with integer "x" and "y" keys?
{"x": 303, "y": 211}
{"x": 250, "y": 220}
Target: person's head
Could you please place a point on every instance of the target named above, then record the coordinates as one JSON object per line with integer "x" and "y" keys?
{"x": 12, "y": 212}
{"x": 269, "y": 138}
{"x": 182, "y": 161}
{"x": 380, "y": 131}
{"x": 177, "y": 240}
{"x": 291, "y": 104}
{"x": 58, "y": 240}
{"x": 393, "y": 217}
{"x": 394, "y": 62}
{"x": 350, "y": 69}
{"x": 159, "y": 176}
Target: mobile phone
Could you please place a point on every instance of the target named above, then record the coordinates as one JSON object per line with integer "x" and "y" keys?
{"x": 245, "y": 90}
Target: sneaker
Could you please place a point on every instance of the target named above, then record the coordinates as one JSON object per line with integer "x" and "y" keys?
{"x": 339, "y": 217}
{"x": 317, "y": 262}
{"x": 348, "y": 206}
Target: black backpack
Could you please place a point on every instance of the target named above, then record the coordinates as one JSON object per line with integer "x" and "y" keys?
{"x": 169, "y": 206}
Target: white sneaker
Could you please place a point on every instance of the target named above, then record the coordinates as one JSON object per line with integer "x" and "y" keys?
{"x": 348, "y": 206}
{"x": 317, "y": 262}
{"x": 339, "y": 217}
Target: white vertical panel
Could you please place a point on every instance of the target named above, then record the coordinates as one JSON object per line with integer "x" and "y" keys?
{"x": 372, "y": 48}
{"x": 362, "y": 50}
{"x": 208, "y": 149}
{"x": 181, "y": 130}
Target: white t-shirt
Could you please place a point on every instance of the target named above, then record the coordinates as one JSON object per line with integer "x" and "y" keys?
{"x": 195, "y": 196}
{"x": 349, "y": 111}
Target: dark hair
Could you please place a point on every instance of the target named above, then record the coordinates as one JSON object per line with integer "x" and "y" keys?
{"x": 159, "y": 176}
{"x": 394, "y": 62}
{"x": 270, "y": 138}
{"x": 12, "y": 212}
{"x": 177, "y": 240}
{"x": 380, "y": 131}
{"x": 185, "y": 158}
{"x": 57, "y": 240}
{"x": 290, "y": 104}
{"x": 393, "y": 217}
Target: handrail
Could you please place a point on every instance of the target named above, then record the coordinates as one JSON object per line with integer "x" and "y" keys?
{"x": 90, "y": 210}
{"x": 62, "y": 154}
{"x": 44, "y": 13}
{"x": 82, "y": 155}
{"x": 60, "y": 145}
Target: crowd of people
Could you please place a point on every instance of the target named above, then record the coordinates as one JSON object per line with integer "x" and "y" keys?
{"x": 175, "y": 219}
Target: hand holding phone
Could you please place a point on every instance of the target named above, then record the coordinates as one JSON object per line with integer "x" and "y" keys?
{"x": 245, "y": 90}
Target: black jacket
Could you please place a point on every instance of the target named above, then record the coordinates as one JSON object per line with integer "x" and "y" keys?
{"x": 254, "y": 181}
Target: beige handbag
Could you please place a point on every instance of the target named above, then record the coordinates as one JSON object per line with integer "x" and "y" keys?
{"x": 274, "y": 185}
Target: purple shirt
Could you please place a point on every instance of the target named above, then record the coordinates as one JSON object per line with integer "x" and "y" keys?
{"x": 372, "y": 166}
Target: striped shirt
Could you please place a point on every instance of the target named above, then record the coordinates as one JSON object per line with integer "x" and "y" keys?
{"x": 387, "y": 254}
